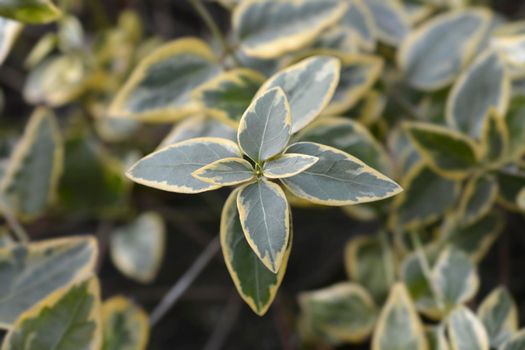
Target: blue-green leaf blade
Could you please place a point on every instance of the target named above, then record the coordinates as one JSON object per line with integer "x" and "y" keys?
{"x": 226, "y": 172}
{"x": 288, "y": 165}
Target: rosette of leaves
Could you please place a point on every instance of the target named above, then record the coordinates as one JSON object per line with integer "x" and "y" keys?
{"x": 256, "y": 230}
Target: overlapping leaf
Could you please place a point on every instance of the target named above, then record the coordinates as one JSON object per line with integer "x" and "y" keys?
{"x": 390, "y": 20}
{"x": 515, "y": 121}
{"x": 465, "y": 330}
{"x": 516, "y": 343}
{"x": 125, "y": 325}
{"x": 498, "y": 313}
{"x": 199, "y": 126}
{"x": 511, "y": 182}
{"x": 9, "y": 31}
{"x": 477, "y": 198}
{"x": 360, "y": 21}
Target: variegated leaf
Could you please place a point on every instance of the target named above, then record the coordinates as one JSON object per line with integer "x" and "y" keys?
{"x": 337, "y": 178}
{"x": 265, "y": 219}
{"x": 465, "y": 330}
{"x": 499, "y": 314}
{"x": 390, "y": 21}
{"x": 337, "y": 38}
{"x": 399, "y": 326}
{"x": 516, "y": 343}
{"x": 435, "y": 53}
{"x": 137, "y": 249}
{"x": 25, "y": 272}
{"x": 160, "y": 87}
{"x": 199, "y": 126}
{"x": 512, "y": 50}
{"x": 9, "y": 31}
{"x": 511, "y": 182}
{"x": 265, "y": 127}
{"x": 125, "y": 325}
{"x": 515, "y": 122}
{"x": 226, "y": 172}
{"x": 309, "y": 86}
{"x": 32, "y": 174}
{"x": 287, "y": 165}
{"x": 359, "y": 19}
{"x": 485, "y": 85}
{"x": 494, "y": 139}
{"x": 271, "y": 28}
{"x": 30, "y": 11}
{"x": 255, "y": 283}
{"x": 436, "y": 338}
{"x": 170, "y": 168}
{"x": 477, "y": 198}
{"x": 68, "y": 319}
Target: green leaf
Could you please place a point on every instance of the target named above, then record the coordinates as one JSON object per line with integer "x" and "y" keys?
{"x": 436, "y": 338}
{"x": 390, "y": 20}
{"x": 309, "y": 86}
{"x": 465, "y": 330}
{"x": 478, "y": 197}
{"x": 170, "y": 168}
{"x": 435, "y": 53}
{"x": 399, "y": 326}
{"x": 511, "y": 182}
{"x": 287, "y": 165}
{"x": 9, "y": 31}
{"x": 483, "y": 86}
{"x": 446, "y": 151}
{"x": 359, "y": 19}
{"x": 337, "y": 178}
{"x": 160, "y": 87}
{"x": 28, "y": 274}
{"x": 455, "y": 277}
{"x": 265, "y": 218}
{"x": 265, "y": 127}
{"x": 499, "y": 315}
{"x": 426, "y": 198}
{"x": 271, "y": 28}
{"x": 199, "y": 126}
{"x": 364, "y": 259}
{"x": 494, "y": 139}
{"x": 226, "y": 172}
{"x": 126, "y": 325}
{"x": 358, "y": 74}
{"x": 516, "y": 343}
{"x": 521, "y": 199}
{"x": 35, "y": 167}
{"x": 348, "y": 136}
{"x": 228, "y": 95}
{"x": 255, "y": 283}
{"x": 344, "y": 312}
{"x": 515, "y": 121}
{"x": 30, "y": 11}
{"x": 137, "y": 249}
{"x": 68, "y": 319}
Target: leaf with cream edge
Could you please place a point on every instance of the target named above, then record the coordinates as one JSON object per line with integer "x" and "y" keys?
{"x": 255, "y": 283}
{"x": 226, "y": 172}
{"x": 399, "y": 326}
{"x": 499, "y": 314}
{"x": 22, "y": 281}
{"x": 512, "y": 50}
{"x": 515, "y": 121}
{"x": 390, "y": 20}
{"x": 465, "y": 331}
{"x": 446, "y": 151}
{"x": 516, "y": 343}
{"x": 436, "y": 338}
{"x": 126, "y": 325}
{"x": 271, "y": 28}
{"x": 265, "y": 219}
{"x": 494, "y": 139}
{"x": 68, "y": 319}
{"x": 511, "y": 182}
{"x": 344, "y": 312}
{"x": 171, "y": 168}
{"x": 478, "y": 197}
{"x": 228, "y": 95}
{"x": 452, "y": 37}
{"x": 160, "y": 87}
{"x": 308, "y": 85}
{"x": 485, "y": 85}
{"x": 137, "y": 249}
{"x": 287, "y": 165}
{"x": 360, "y": 21}
{"x": 9, "y": 31}
{"x": 337, "y": 178}
{"x": 30, "y": 11}
{"x": 33, "y": 172}
{"x": 265, "y": 127}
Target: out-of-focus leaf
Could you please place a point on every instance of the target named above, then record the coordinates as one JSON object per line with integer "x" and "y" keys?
{"x": 499, "y": 314}
{"x": 360, "y": 21}
{"x": 494, "y": 139}
{"x": 9, "y": 31}
{"x": 199, "y": 126}
{"x": 516, "y": 343}
{"x": 337, "y": 38}
{"x": 477, "y": 198}
{"x": 115, "y": 129}
{"x": 515, "y": 121}
{"x": 511, "y": 182}
{"x": 436, "y": 338}
{"x": 390, "y": 20}
{"x": 521, "y": 199}
{"x": 5, "y": 238}
{"x": 465, "y": 330}
{"x": 512, "y": 50}
{"x": 30, "y": 11}
{"x": 125, "y": 325}
{"x": 226, "y": 172}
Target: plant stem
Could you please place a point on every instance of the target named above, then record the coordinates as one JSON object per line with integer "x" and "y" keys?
{"x": 11, "y": 220}
{"x": 184, "y": 282}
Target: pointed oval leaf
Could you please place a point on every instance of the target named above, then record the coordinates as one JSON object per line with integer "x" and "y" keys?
{"x": 160, "y": 87}
{"x": 287, "y": 165}
{"x": 9, "y": 31}
{"x": 515, "y": 121}
{"x": 126, "y": 325}
{"x": 344, "y": 312}
{"x": 516, "y": 343}
{"x": 435, "y": 53}
{"x": 446, "y": 151}
{"x": 390, "y": 20}
{"x": 359, "y": 19}
{"x": 477, "y": 198}
{"x": 226, "y": 172}
{"x": 265, "y": 219}
{"x": 494, "y": 139}
{"x": 337, "y": 178}
{"x": 271, "y": 28}
{"x": 499, "y": 314}
{"x": 455, "y": 277}
{"x": 170, "y": 168}
{"x": 485, "y": 85}
{"x": 228, "y": 95}
{"x": 137, "y": 249}
{"x": 399, "y": 326}
{"x": 68, "y": 319}
{"x": 32, "y": 175}
{"x": 255, "y": 283}
{"x": 337, "y": 38}
{"x": 30, "y": 11}
{"x": 465, "y": 330}
{"x": 436, "y": 338}
{"x": 199, "y": 126}
{"x": 309, "y": 86}
{"x": 265, "y": 127}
